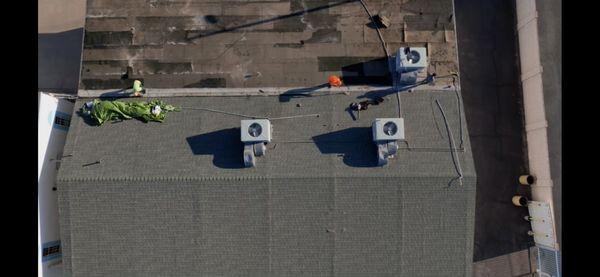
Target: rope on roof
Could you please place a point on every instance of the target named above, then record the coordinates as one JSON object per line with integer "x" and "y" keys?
{"x": 387, "y": 54}
{"x": 454, "y": 76}
{"x": 451, "y": 139}
{"x": 250, "y": 116}
{"x": 294, "y": 116}
{"x": 399, "y": 102}
{"x": 218, "y": 111}
{"x": 459, "y": 104}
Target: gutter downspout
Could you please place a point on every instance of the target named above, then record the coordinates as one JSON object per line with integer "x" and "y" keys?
{"x": 536, "y": 125}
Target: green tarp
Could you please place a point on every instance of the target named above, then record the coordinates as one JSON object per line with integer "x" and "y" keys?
{"x": 105, "y": 110}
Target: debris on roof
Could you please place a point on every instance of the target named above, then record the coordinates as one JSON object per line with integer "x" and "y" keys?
{"x": 382, "y": 21}
{"x": 105, "y": 110}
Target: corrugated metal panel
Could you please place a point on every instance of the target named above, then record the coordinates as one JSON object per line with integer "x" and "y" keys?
{"x": 548, "y": 262}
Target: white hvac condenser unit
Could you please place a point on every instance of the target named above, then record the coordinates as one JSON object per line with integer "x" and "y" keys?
{"x": 254, "y": 134}
{"x": 386, "y": 133}
{"x": 410, "y": 61}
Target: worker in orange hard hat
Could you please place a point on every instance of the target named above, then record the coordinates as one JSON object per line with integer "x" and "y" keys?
{"x": 335, "y": 81}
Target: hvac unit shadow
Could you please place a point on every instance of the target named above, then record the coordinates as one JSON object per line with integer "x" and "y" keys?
{"x": 366, "y": 72}
{"x": 355, "y": 71}
{"x": 224, "y": 145}
{"x": 354, "y": 144}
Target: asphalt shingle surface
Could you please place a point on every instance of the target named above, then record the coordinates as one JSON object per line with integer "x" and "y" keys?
{"x": 200, "y": 144}
{"x": 173, "y": 199}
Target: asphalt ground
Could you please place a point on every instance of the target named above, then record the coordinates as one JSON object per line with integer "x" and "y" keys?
{"x": 489, "y": 76}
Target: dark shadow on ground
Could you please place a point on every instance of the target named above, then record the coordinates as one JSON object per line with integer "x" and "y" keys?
{"x": 353, "y": 143}
{"x": 59, "y": 61}
{"x": 224, "y": 145}
{"x": 300, "y": 92}
{"x": 120, "y": 93}
{"x": 86, "y": 118}
{"x": 374, "y": 25}
{"x": 377, "y": 22}
{"x": 375, "y": 94}
{"x": 371, "y": 72}
{"x": 212, "y": 19}
{"x": 119, "y": 84}
{"x": 208, "y": 83}
{"x": 379, "y": 93}
{"x": 489, "y": 77}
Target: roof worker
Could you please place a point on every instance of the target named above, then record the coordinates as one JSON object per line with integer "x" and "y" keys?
{"x": 137, "y": 88}
{"x": 335, "y": 81}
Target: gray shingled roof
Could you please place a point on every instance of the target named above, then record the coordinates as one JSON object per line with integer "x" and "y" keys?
{"x": 172, "y": 198}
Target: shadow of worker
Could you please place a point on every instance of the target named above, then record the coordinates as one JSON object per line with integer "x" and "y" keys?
{"x": 300, "y": 92}
{"x": 224, "y": 145}
{"x": 354, "y": 144}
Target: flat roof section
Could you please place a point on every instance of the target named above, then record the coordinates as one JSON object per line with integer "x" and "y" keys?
{"x": 293, "y": 43}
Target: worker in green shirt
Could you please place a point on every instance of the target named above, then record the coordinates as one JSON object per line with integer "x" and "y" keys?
{"x": 137, "y": 88}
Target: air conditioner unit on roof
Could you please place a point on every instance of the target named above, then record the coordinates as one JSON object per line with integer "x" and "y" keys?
{"x": 409, "y": 62}
{"x": 256, "y": 130}
{"x": 254, "y": 134}
{"x": 386, "y": 133}
{"x": 385, "y": 129}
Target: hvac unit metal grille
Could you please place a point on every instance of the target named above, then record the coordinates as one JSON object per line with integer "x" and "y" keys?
{"x": 548, "y": 262}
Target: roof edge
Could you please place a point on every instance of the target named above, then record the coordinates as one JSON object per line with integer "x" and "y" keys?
{"x": 264, "y": 91}
{"x": 180, "y": 179}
